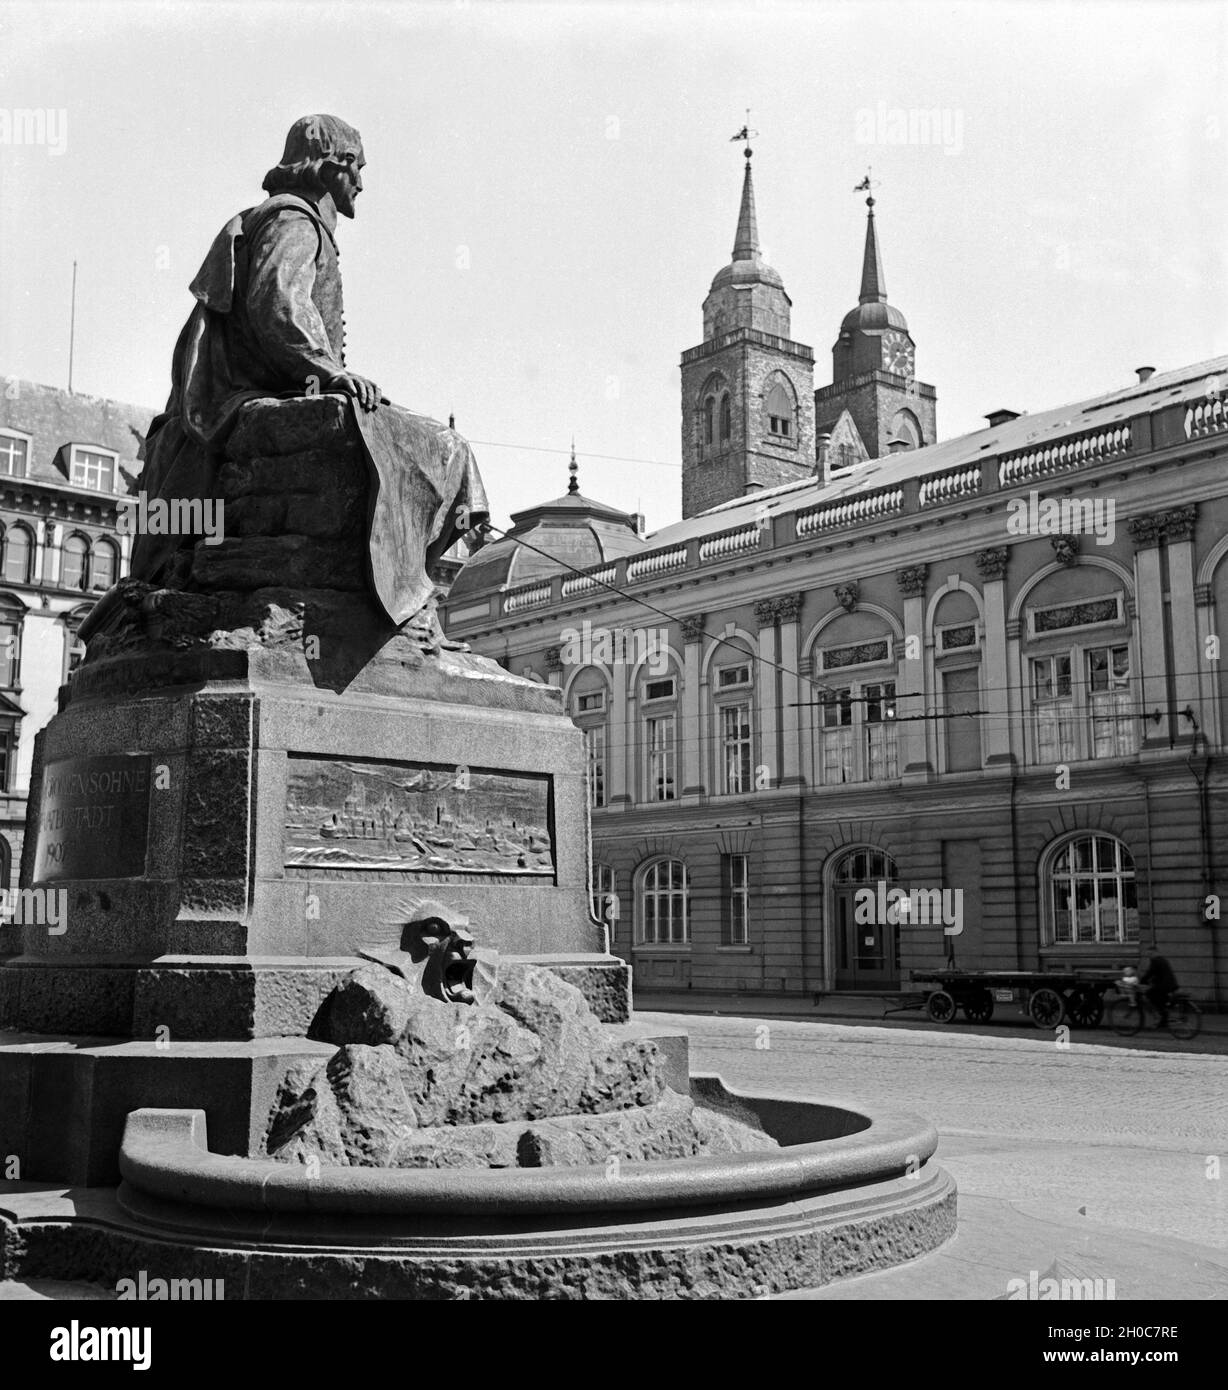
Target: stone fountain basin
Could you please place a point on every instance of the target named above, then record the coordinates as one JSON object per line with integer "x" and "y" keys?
{"x": 827, "y": 1148}
{"x": 852, "y": 1191}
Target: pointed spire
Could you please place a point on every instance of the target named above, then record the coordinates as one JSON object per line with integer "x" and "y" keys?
{"x": 746, "y": 244}
{"x": 873, "y": 282}
{"x": 573, "y": 470}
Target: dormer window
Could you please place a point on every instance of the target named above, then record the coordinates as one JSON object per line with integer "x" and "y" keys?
{"x": 14, "y": 453}
{"x": 93, "y": 468}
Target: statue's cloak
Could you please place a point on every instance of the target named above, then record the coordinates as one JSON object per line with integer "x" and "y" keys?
{"x": 269, "y": 321}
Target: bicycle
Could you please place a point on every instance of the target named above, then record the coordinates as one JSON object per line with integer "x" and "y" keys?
{"x": 1128, "y": 1014}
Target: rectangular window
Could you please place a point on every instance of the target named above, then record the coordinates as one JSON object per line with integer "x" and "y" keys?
{"x": 659, "y": 690}
{"x": 727, "y": 676}
{"x": 14, "y": 454}
{"x": 594, "y": 743}
{"x": 8, "y": 741}
{"x": 736, "y": 748}
{"x": 881, "y": 742}
{"x": 837, "y": 719}
{"x": 1114, "y": 729}
{"x": 735, "y": 882}
{"x": 93, "y": 468}
{"x": 780, "y": 424}
{"x": 1053, "y": 708}
{"x": 589, "y": 704}
{"x": 661, "y": 757}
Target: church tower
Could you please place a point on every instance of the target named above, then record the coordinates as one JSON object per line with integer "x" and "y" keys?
{"x": 873, "y": 377}
{"x": 747, "y": 389}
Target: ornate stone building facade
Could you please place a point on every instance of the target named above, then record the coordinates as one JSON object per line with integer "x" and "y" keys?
{"x": 989, "y": 666}
{"x": 64, "y": 460}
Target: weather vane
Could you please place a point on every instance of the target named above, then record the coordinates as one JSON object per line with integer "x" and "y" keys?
{"x": 866, "y": 185}
{"x": 747, "y": 134}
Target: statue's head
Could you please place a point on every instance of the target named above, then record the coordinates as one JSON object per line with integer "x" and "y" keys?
{"x": 322, "y": 155}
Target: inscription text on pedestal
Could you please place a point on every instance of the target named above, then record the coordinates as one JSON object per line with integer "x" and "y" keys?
{"x": 93, "y": 818}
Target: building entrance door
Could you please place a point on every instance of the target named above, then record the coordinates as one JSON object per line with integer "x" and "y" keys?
{"x": 868, "y": 952}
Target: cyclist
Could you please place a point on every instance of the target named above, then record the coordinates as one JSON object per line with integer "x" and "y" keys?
{"x": 1161, "y": 985}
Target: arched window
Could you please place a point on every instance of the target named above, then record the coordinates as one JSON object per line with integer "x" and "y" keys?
{"x": 6, "y": 858}
{"x": 11, "y": 614}
{"x": 105, "y": 568}
{"x": 664, "y": 904}
{"x": 74, "y": 563}
{"x": 905, "y": 432}
{"x": 726, "y": 418}
{"x": 709, "y": 413}
{"x": 18, "y": 555}
{"x": 779, "y": 409}
{"x": 1089, "y": 892}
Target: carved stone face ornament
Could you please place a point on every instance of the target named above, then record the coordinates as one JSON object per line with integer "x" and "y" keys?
{"x": 444, "y": 960}
{"x": 847, "y": 595}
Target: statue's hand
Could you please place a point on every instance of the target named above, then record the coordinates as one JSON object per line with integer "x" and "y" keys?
{"x": 365, "y": 392}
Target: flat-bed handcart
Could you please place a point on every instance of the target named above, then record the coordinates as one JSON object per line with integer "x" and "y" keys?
{"x": 1053, "y": 997}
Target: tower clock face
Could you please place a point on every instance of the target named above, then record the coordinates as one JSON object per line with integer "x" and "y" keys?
{"x": 898, "y": 353}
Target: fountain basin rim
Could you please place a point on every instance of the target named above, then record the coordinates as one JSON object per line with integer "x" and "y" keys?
{"x": 165, "y": 1154}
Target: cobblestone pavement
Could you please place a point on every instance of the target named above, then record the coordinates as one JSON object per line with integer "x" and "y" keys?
{"x": 1137, "y": 1140}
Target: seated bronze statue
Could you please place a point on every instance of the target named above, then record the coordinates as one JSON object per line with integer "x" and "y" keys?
{"x": 268, "y": 324}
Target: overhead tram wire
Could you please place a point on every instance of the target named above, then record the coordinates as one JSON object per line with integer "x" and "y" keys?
{"x": 1009, "y": 716}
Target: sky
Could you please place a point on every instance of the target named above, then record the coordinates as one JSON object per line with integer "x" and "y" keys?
{"x": 551, "y": 188}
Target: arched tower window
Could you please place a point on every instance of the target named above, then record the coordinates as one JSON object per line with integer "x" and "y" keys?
{"x": 781, "y": 412}
{"x": 709, "y": 418}
{"x": 726, "y": 418}
{"x": 905, "y": 432}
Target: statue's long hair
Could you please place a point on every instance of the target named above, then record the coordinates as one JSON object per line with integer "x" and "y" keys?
{"x": 312, "y": 142}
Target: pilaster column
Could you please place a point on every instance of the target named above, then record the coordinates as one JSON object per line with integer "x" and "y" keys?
{"x": 910, "y": 675}
{"x": 55, "y": 538}
{"x": 1000, "y": 671}
{"x": 1146, "y": 532}
{"x": 788, "y": 614}
{"x": 765, "y": 690}
{"x": 1208, "y": 671}
{"x": 40, "y": 549}
{"x": 620, "y": 739}
{"x": 1186, "y": 653}
{"x": 692, "y": 729}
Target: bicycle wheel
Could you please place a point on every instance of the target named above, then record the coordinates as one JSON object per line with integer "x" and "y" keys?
{"x": 1184, "y": 1019}
{"x": 1125, "y": 1017}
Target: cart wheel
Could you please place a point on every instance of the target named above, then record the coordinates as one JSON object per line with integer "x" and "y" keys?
{"x": 978, "y": 1006}
{"x": 940, "y": 1006}
{"x": 1085, "y": 1007}
{"x": 1046, "y": 1007}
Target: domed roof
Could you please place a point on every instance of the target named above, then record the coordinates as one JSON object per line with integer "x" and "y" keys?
{"x": 878, "y": 314}
{"x": 747, "y": 272}
{"x": 570, "y": 532}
